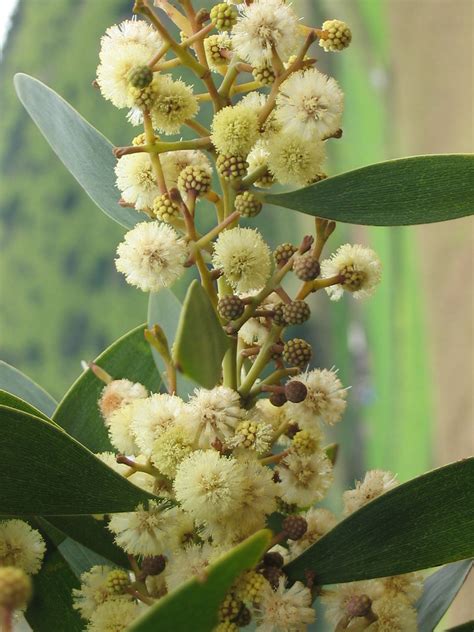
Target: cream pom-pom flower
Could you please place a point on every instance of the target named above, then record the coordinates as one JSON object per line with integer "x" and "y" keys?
{"x": 304, "y": 480}
{"x": 153, "y": 415}
{"x": 151, "y": 256}
{"x": 189, "y": 562}
{"x": 171, "y": 447}
{"x": 117, "y": 393}
{"x": 123, "y": 47}
{"x": 243, "y": 257}
{"x": 375, "y": 483}
{"x": 120, "y": 432}
{"x": 263, "y": 27}
{"x": 114, "y": 616}
{"x": 339, "y": 598}
{"x": 295, "y": 160}
{"x": 173, "y": 105}
{"x": 408, "y": 586}
{"x": 208, "y": 486}
{"x": 325, "y": 401}
{"x": 143, "y": 531}
{"x": 21, "y": 546}
{"x": 393, "y": 615}
{"x": 94, "y": 591}
{"x": 235, "y": 129}
{"x": 310, "y": 104}
{"x": 284, "y": 609}
{"x": 360, "y": 270}
{"x": 136, "y": 181}
{"x": 214, "y": 414}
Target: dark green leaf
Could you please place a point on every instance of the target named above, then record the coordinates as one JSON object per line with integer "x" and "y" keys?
{"x": 416, "y": 190}
{"x": 200, "y": 343}
{"x": 7, "y": 399}
{"x": 164, "y": 309}
{"x": 15, "y": 382}
{"x": 85, "y": 152}
{"x": 51, "y": 606}
{"x": 464, "y": 627}
{"x": 91, "y": 533}
{"x": 420, "y": 524}
{"x": 129, "y": 357}
{"x": 194, "y": 605}
{"x": 439, "y": 592}
{"x": 45, "y": 472}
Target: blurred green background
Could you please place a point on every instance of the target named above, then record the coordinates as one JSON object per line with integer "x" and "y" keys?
{"x": 407, "y": 352}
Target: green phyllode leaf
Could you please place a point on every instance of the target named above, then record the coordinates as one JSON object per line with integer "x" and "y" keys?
{"x": 12, "y": 401}
{"x": 78, "y": 413}
{"x": 48, "y": 473}
{"x": 84, "y": 151}
{"x": 164, "y": 309}
{"x": 440, "y": 590}
{"x": 464, "y": 627}
{"x": 194, "y": 605}
{"x": 200, "y": 343}
{"x": 13, "y": 381}
{"x": 420, "y": 524}
{"x": 415, "y": 190}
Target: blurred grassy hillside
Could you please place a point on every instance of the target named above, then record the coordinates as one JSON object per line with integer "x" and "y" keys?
{"x": 61, "y": 299}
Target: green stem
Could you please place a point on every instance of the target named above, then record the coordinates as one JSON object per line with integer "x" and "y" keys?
{"x": 141, "y": 6}
{"x": 229, "y": 365}
{"x": 274, "y": 378}
{"x": 208, "y": 237}
{"x": 260, "y": 361}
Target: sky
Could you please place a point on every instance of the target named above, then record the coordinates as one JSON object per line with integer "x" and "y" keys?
{"x": 6, "y": 10}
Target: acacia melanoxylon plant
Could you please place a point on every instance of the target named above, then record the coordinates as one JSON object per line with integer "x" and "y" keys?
{"x": 179, "y": 481}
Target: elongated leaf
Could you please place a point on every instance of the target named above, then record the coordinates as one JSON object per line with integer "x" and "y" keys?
{"x": 464, "y": 627}
{"x": 194, "y": 606}
{"x": 78, "y": 557}
{"x": 85, "y": 152}
{"x": 401, "y": 531}
{"x": 51, "y": 606}
{"x": 13, "y": 381}
{"x": 164, "y": 309}
{"x": 7, "y": 399}
{"x": 200, "y": 343}
{"x": 439, "y": 592}
{"x": 92, "y": 534}
{"x": 47, "y": 473}
{"x": 416, "y": 190}
{"x": 129, "y": 357}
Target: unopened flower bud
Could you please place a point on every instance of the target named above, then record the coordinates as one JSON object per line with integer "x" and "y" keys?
{"x": 195, "y": 179}
{"x": 165, "y": 209}
{"x": 306, "y": 267}
{"x": 247, "y": 204}
{"x": 338, "y": 36}
{"x": 297, "y": 352}
{"x": 296, "y": 312}
{"x": 230, "y": 307}
{"x": 117, "y": 581}
{"x": 295, "y": 527}
{"x": 264, "y": 74}
{"x": 278, "y": 399}
{"x": 358, "y": 606}
{"x": 279, "y": 315}
{"x": 295, "y": 391}
{"x": 230, "y": 608}
{"x": 272, "y": 574}
{"x": 224, "y": 16}
{"x": 231, "y": 167}
{"x": 140, "y": 76}
{"x": 283, "y": 253}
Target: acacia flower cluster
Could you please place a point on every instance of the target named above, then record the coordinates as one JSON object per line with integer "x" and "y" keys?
{"x": 224, "y": 460}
